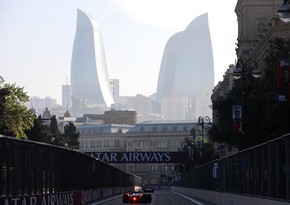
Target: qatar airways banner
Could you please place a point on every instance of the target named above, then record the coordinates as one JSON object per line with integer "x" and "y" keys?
{"x": 141, "y": 157}
{"x": 67, "y": 198}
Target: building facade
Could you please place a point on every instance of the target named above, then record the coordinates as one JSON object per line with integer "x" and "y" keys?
{"x": 90, "y": 87}
{"x": 152, "y": 136}
{"x": 254, "y": 17}
{"x": 258, "y": 25}
{"x": 187, "y": 70}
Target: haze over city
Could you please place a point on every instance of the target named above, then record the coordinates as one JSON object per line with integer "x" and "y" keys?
{"x": 36, "y": 40}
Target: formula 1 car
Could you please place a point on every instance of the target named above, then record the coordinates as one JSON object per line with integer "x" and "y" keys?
{"x": 137, "y": 197}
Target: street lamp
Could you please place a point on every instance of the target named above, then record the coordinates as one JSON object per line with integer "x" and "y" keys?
{"x": 284, "y": 11}
{"x": 201, "y": 121}
{"x": 239, "y": 72}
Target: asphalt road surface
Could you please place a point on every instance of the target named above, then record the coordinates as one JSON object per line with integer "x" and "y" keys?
{"x": 159, "y": 197}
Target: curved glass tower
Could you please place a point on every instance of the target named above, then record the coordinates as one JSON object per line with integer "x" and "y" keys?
{"x": 90, "y": 85}
{"x": 187, "y": 71}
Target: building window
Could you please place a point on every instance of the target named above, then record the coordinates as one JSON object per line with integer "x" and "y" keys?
{"x": 145, "y": 143}
{"x": 101, "y": 131}
{"x": 175, "y": 144}
{"x": 169, "y": 143}
{"x": 163, "y": 144}
{"x": 106, "y": 143}
{"x": 154, "y": 129}
{"x": 164, "y": 129}
{"x": 139, "y": 143}
{"x": 93, "y": 143}
{"x": 153, "y": 143}
{"x": 164, "y": 168}
{"x": 154, "y": 168}
{"x": 99, "y": 143}
{"x": 117, "y": 143}
{"x": 174, "y": 129}
{"x": 130, "y": 144}
{"x": 130, "y": 168}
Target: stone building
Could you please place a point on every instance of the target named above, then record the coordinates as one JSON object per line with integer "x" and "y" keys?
{"x": 160, "y": 138}
{"x": 258, "y": 24}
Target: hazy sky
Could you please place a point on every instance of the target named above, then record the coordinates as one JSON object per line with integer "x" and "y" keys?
{"x": 36, "y": 39}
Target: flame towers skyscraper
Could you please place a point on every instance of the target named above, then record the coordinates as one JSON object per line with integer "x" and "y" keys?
{"x": 186, "y": 76}
{"x": 90, "y": 87}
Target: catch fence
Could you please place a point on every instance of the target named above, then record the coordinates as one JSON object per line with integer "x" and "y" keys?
{"x": 31, "y": 168}
{"x": 260, "y": 171}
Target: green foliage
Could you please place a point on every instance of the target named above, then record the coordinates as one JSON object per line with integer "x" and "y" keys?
{"x": 56, "y": 136}
{"x": 264, "y": 117}
{"x": 198, "y": 156}
{"x": 71, "y": 136}
{"x": 15, "y": 116}
{"x": 18, "y": 121}
{"x": 39, "y": 132}
{"x": 47, "y": 131}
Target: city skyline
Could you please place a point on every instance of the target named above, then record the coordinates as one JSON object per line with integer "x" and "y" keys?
{"x": 37, "y": 40}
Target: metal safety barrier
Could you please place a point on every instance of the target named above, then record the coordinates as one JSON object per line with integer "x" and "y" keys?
{"x": 32, "y": 168}
{"x": 260, "y": 171}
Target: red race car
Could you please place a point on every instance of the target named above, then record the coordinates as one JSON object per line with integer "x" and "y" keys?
{"x": 137, "y": 197}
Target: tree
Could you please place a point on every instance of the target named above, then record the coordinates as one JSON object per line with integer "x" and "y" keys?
{"x": 47, "y": 131}
{"x": 15, "y": 116}
{"x": 39, "y": 132}
{"x": 264, "y": 117}
{"x": 56, "y": 137}
{"x": 198, "y": 155}
{"x": 71, "y": 136}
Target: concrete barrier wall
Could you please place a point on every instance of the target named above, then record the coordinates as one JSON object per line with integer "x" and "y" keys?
{"x": 219, "y": 198}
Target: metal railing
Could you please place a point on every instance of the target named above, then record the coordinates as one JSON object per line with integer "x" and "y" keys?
{"x": 31, "y": 168}
{"x": 260, "y": 171}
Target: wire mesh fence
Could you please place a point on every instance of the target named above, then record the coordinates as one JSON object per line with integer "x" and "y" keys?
{"x": 28, "y": 168}
{"x": 262, "y": 171}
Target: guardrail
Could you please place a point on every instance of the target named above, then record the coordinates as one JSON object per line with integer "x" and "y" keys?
{"x": 260, "y": 171}
{"x": 35, "y": 169}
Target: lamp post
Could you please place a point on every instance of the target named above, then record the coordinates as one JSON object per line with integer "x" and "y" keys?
{"x": 284, "y": 11}
{"x": 239, "y": 72}
{"x": 201, "y": 121}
